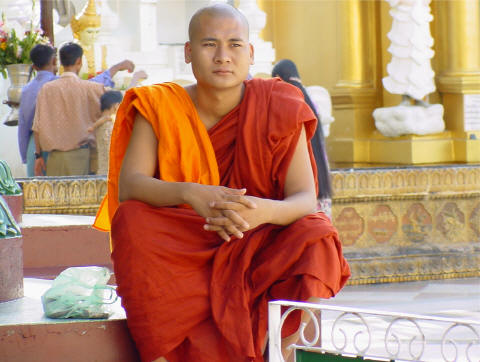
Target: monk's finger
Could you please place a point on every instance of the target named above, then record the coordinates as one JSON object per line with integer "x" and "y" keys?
{"x": 216, "y": 228}
{"x": 227, "y": 224}
{"x": 228, "y": 221}
{"x": 228, "y": 190}
{"x": 242, "y": 200}
{"x": 237, "y": 220}
{"x": 218, "y": 220}
{"x": 209, "y": 227}
{"x": 226, "y": 205}
{"x": 232, "y": 229}
{"x": 223, "y": 234}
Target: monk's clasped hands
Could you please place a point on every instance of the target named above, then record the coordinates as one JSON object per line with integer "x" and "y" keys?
{"x": 238, "y": 213}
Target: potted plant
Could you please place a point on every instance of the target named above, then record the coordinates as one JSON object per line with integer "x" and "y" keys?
{"x": 11, "y": 191}
{"x": 15, "y": 60}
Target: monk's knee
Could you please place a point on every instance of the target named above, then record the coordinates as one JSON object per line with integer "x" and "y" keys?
{"x": 127, "y": 212}
{"x": 314, "y": 223}
{"x": 127, "y": 221}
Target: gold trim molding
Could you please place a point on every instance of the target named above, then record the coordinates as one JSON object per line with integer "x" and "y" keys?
{"x": 407, "y": 268}
{"x": 405, "y": 183}
{"x": 464, "y": 83}
{"x": 346, "y": 98}
{"x": 63, "y": 195}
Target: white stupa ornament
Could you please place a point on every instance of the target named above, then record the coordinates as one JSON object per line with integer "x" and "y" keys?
{"x": 410, "y": 73}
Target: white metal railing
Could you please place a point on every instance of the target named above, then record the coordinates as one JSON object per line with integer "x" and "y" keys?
{"x": 376, "y": 335}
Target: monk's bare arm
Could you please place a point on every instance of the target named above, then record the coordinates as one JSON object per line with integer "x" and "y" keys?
{"x": 300, "y": 194}
{"x": 137, "y": 182}
{"x": 138, "y": 168}
{"x": 300, "y": 197}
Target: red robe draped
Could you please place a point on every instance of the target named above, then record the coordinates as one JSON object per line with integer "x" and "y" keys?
{"x": 190, "y": 296}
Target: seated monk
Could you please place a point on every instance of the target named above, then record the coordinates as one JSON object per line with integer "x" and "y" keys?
{"x": 211, "y": 198}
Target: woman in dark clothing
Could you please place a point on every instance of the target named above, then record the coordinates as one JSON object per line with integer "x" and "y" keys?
{"x": 287, "y": 71}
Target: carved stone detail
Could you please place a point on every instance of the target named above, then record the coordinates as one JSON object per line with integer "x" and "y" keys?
{"x": 405, "y": 183}
{"x": 450, "y": 220}
{"x": 417, "y": 223}
{"x": 382, "y": 224}
{"x": 63, "y": 195}
{"x": 350, "y": 225}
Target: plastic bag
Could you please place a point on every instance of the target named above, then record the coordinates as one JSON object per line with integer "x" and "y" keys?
{"x": 80, "y": 292}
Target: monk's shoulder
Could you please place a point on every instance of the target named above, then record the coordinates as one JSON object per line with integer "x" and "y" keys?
{"x": 158, "y": 95}
{"x": 277, "y": 92}
{"x": 279, "y": 95}
{"x": 280, "y": 105}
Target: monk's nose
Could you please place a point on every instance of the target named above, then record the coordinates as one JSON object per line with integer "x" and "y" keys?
{"x": 221, "y": 55}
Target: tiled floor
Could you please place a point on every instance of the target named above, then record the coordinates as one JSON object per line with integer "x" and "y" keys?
{"x": 31, "y": 220}
{"x": 459, "y": 299}
{"x": 438, "y": 297}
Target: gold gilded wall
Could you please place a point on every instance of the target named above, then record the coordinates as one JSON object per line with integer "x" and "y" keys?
{"x": 308, "y": 32}
{"x": 409, "y": 223}
{"x": 342, "y": 45}
{"x": 305, "y": 32}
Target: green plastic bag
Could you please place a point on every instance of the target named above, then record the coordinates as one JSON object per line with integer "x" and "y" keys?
{"x": 80, "y": 292}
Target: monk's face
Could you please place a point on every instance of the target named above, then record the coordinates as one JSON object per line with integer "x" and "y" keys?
{"x": 219, "y": 51}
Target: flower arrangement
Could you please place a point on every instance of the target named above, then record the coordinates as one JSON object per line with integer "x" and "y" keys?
{"x": 15, "y": 49}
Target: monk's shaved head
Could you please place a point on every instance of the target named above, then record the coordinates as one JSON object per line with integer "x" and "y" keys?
{"x": 216, "y": 10}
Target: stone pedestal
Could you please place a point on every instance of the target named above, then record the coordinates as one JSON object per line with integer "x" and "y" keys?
{"x": 11, "y": 269}
{"x": 15, "y": 204}
{"x": 402, "y": 120}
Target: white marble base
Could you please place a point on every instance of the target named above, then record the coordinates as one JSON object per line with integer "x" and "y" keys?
{"x": 403, "y": 119}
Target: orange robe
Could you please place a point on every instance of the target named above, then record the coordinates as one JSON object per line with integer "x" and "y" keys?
{"x": 190, "y": 296}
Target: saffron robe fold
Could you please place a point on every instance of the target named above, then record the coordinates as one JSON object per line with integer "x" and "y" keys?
{"x": 190, "y": 296}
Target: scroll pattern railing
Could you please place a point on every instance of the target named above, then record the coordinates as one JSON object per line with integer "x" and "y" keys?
{"x": 376, "y": 335}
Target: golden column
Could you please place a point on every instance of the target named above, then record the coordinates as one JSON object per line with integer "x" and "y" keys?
{"x": 354, "y": 96}
{"x": 459, "y": 73}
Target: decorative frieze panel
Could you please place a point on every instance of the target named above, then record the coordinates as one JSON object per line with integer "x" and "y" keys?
{"x": 410, "y": 223}
{"x": 63, "y": 195}
{"x": 406, "y": 183}
{"x": 395, "y": 224}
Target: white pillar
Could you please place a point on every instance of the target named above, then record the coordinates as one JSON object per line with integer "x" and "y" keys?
{"x": 264, "y": 52}
{"x": 148, "y": 25}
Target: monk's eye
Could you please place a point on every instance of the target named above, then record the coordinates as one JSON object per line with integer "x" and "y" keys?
{"x": 236, "y": 45}
{"x": 210, "y": 44}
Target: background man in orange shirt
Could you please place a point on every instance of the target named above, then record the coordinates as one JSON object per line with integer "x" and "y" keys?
{"x": 66, "y": 108}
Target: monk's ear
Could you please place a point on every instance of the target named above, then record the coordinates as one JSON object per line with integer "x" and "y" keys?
{"x": 188, "y": 52}
{"x": 252, "y": 54}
